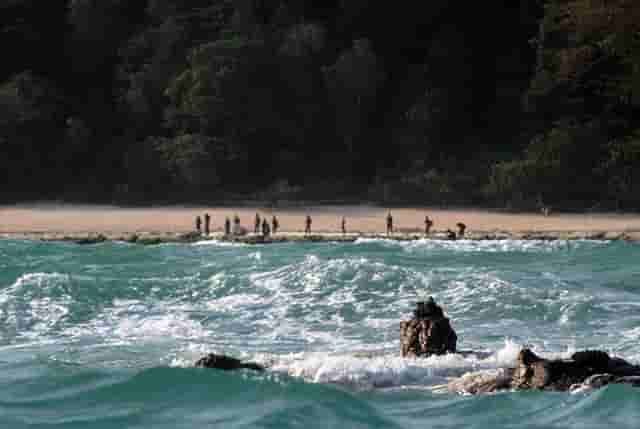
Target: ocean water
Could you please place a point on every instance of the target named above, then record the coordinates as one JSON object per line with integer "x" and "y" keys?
{"x": 105, "y": 336}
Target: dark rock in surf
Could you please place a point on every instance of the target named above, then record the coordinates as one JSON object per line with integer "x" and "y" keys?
{"x": 149, "y": 241}
{"x": 100, "y": 238}
{"x": 133, "y": 238}
{"x": 585, "y": 370}
{"x": 534, "y": 372}
{"x": 428, "y": 333}
{"x": 189, "y": 237}
{"x": 226, "y": 363}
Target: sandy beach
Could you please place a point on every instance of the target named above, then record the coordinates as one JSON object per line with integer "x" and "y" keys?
{"x": 52, "y": 220}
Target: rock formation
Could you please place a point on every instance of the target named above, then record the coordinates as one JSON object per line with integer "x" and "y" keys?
{"x": 428, "y": 333}
{"x": 534, "y": 372}
{"x": 584, "y": 370}
{"x": 225, "y": 363}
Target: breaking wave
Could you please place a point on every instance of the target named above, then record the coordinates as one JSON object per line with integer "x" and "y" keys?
{"x": 128, "y": 322}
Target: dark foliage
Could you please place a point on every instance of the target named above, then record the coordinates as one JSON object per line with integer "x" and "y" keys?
{"x": 500, "y": 103}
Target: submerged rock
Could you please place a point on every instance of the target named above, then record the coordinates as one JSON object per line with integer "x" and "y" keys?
{"x": 91, "y": 239}
{"x": 226, "y": 363}
{"x": 428, "y": 333}
{"x": 600, "y": 380}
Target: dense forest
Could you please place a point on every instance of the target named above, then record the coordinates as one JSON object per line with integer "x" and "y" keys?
{"x": 507, "y": 104}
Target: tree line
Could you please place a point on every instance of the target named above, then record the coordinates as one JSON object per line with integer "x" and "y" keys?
{"x": 531, "y": 103}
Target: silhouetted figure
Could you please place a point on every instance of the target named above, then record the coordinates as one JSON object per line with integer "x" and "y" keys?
{"x": 544, "y": 209}
{"x": 266, "y": 230}
{"x": 198, "y": 224}
{"x": 343, "y": 226}
{"x": 450, "y": 234}
{"x": 461, "y": 227}
{"x": 207, "y": 223}
{"x": 389, "y": 224}
{"x": 275, "y": 224}
{"x": 236, "y": 229}
{"x": 227, "y": 226}
{"x": 428, "y": 223}
{"x": 307, "y": 225}
{"x": 256, "y": 227}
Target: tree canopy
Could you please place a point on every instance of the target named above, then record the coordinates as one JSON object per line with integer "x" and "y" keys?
{"x": 483, "y": 103}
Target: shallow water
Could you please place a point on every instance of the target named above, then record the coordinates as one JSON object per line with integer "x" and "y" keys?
{"x": 105, "y": 336}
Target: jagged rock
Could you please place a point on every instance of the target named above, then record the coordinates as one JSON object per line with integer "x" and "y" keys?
{"x": 428, "y": 333}
{"x": 225, "y": 363}
{"x": 585, "y": 370}
{"x": 534, "y": 372}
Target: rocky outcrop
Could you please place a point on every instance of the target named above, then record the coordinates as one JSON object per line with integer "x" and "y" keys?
{"x": 585, "y": 370}
{"x": 226, "y": 363}
{"x": 428, "y": 333}
{"x": 534, "y": 372}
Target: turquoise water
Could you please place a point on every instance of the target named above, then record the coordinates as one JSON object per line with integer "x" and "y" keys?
{"x": 105, "y": 336}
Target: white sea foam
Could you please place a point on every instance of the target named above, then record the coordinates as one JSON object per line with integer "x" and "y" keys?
{"x": 233, "y": 303}
{"x": 217, "y": 280}
{"x": 39, "y": 280}
{"x": 218, "y": 243}
{"x": 34, "y": 304}
{"x": 383, "y": 369}
{"x": 173, "y": 326}
{"x": 131, "y": 321}
{"x": 483, "y": 246}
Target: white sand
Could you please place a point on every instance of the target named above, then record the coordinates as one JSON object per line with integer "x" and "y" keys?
{"x": 47, "y": 218}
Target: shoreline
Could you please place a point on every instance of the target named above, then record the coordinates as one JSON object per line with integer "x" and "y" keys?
{"x": 155, "y": 238}
{"x": 86, "y": 223}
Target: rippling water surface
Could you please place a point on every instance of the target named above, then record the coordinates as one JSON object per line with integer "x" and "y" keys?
{"x": 105, "y": 336}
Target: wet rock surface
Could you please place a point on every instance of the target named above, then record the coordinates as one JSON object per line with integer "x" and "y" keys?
{"x": 534, "y": 372}
{"x": 226, "y": 363}
{"x": 428, "y": 333}
{"x": 585, "y": 370}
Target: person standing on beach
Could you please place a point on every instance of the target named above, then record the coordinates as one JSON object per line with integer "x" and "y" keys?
{"x": 207, "y": 223}
{"x": 461, "y": 227}
{"x": 237, "y": 230}
{"x": 428, "y": 223}
{"x": 198, "y": 224}
{"x": 257, "y": 224}
{"x": 227, "y": 226}
{"x": 344, "y": 226}
{"x": 275, "y": 224}
{"x": 389, "y": 224}
{"x": 307, "y": 227}
{"x": 265, "y": 228}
